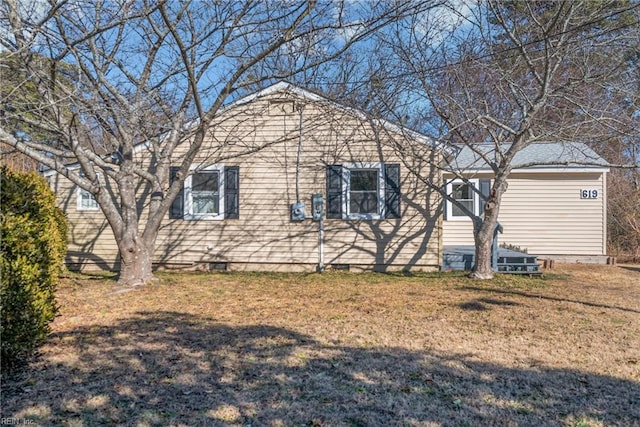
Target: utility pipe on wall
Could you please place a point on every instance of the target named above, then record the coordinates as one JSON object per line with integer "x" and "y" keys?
{"x": 321, "y": 245}
{"x": 300, "y": 108}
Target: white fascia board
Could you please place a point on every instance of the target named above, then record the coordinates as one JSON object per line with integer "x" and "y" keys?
{"x": 585, "y": 169}
{"x": 563, "y": 169}
{"x": 278, "y": 87}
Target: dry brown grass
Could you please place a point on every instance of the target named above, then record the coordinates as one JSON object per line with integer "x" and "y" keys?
{"x": 340, "y": 349}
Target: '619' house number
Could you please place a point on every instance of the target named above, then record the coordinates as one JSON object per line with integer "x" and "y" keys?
{"x": 588, "y": 194}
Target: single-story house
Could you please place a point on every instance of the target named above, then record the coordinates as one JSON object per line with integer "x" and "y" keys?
{"x": 249, "y": 204}
{"x": 555, "y": 205}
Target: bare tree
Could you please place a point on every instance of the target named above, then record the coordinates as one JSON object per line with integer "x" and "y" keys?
{"x": 622, "y": 146}
{"x": 111, "y": 76}
{"x": 510, "y": 74}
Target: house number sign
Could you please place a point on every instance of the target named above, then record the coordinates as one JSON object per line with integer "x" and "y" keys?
{"x": 588, "y": 194}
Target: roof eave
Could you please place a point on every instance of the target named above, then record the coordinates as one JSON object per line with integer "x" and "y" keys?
{"x": 546, "y": 169}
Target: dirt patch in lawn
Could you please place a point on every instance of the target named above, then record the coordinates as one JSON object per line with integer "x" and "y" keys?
{"x": 340, "y": 349}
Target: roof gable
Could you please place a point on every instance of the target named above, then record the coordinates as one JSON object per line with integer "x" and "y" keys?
{"x": 286, "y": 87}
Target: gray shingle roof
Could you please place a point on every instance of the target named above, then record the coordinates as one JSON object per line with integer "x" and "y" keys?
{"x": 538, "y": 155}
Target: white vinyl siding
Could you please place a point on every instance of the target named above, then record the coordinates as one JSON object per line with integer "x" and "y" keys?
{"x": 544, "y": 213}
{"x": 91, "y": 244}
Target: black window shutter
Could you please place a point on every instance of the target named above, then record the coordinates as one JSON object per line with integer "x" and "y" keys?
{"x": 485, "y": 188}
{"x": 445, "y": 206}
{"x": 334, "y": 191}
{"x": 392, "y": 191}
{"x": 232, "y": 192}
{"x": 176, "y": 211}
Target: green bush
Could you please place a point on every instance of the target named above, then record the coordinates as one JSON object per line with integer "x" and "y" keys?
{"x": 32, "y": 250}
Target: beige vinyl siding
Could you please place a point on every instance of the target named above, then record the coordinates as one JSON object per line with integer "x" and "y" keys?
{"x": 91, "y": 243}
{"x": 264, "y": 235}
{"x": 543, "y": 212}
{"x": 262, "y": 138}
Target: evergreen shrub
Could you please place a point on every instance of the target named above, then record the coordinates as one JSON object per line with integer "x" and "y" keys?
{"x": 33, "y": 244}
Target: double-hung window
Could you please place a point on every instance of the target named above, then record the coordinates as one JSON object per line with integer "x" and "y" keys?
{"x": 204, "y": 190}
{"x": 86, "y": 200}
{"x": 211, "y": 192}
{"x": 465, "y": 194}
{"x": 205, "y": 193}
{"x": 363, "y": 191}
{"x": 363, "y": 186}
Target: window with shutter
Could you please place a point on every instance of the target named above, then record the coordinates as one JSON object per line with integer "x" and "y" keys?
{"x": 363, "y": 191}
{"x": 485, "y": 188}
{"x": 209, "y": 193}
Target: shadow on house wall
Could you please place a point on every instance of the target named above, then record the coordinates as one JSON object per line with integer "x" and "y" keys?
{"x": 283, "y": 152}
{"x": 281, "y": 166}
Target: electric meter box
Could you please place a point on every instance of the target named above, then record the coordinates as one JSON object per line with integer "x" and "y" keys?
{"x": 317, "y": 209}
{"x": 297, "y": 211}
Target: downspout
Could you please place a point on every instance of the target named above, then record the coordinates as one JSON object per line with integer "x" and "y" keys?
{"x": 300, "y": 108}
{"x": 321, "y": 245}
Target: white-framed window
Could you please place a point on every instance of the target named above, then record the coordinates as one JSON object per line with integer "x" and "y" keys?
{"x": 86, "y": 200}
{"x": 363, "y": 189}
{"x": 204, "y": 193}
{"x": 464, "y": 193}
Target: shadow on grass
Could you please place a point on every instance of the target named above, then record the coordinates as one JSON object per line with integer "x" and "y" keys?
{"x": 482, "y": 304}
{"x": 170, "y": 368}
{"x": 80, "y": 276}
{"x": 545, "y": 297}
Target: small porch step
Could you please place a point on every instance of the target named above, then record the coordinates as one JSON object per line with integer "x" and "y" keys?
{"x": 459, "y": 258}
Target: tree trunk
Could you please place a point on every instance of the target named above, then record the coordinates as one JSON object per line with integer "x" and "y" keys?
{"x": 136, "y": 249}
{"x": 135, "y": 262}
{"x": 484, "y": 228}
{"x": 483, "y": 238}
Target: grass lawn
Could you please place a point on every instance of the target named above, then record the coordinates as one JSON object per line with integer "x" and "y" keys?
{"x": 340, "y": 349}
